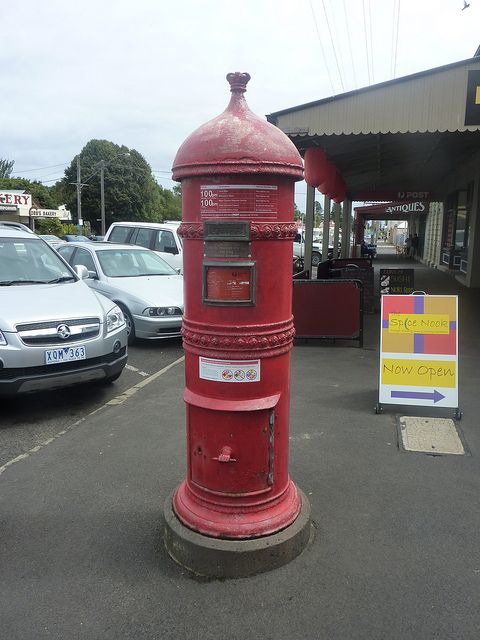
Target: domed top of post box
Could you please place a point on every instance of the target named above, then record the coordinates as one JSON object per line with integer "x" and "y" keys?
{"x": 237, "y": 141}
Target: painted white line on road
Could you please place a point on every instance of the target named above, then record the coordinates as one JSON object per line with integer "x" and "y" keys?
{"x": 136, "y": 387}
{"x": 115, "y": 401}
{"x": 140, "y": 373}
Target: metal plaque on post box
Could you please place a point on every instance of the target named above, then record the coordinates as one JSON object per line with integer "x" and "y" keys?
{"x": 227, "y": 230}
{"x": 226, "y": 239}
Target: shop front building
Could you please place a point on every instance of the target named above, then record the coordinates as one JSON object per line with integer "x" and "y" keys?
{"x": 19, "y": 206}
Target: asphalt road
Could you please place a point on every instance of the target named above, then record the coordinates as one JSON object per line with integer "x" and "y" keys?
{"x": 27, "y": 421}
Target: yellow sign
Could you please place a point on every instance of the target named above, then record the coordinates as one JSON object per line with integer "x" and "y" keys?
{"x": 419, "y": 373}
{"x": 418, "y": 350}
{"x": 425, "y": 323}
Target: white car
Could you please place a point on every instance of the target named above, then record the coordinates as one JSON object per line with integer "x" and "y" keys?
{"x": 299, "y": 250}
{"x": 147, "y": 289}
{"x": 161, "y": 238}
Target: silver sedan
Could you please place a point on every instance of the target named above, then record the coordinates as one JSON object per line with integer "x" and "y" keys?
{"x": 147, "y": 289}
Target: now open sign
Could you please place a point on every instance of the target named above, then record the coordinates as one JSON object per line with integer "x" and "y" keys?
{"x": 419, "y": 350}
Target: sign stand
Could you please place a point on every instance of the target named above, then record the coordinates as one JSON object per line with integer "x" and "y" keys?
{"x": 419, "y": 351}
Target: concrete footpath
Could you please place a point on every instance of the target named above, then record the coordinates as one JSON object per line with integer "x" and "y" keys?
{"x": 397, "y": 548}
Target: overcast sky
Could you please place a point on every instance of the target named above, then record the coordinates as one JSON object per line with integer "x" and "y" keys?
{"x": 147, "y": 73}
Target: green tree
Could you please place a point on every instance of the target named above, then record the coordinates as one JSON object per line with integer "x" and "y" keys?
{"x": 6, "y": 168}
{"x": 59, "y": 192}
{"x": 171, "y": 204}
{"x": 297, "y": 214}
{"x": 49, "y": 226}
{"x": 131, "y": 191}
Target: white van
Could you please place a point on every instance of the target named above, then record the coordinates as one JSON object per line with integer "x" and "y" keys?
{"x": 159, "y": 237}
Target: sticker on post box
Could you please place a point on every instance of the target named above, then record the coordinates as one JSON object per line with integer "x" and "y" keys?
{"x": 233, "y": 200}
{"x": 229, "y": 370}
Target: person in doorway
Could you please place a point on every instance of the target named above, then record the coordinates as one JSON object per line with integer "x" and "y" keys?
{"x": 366, "y": 251}
{"x": 415, "y": 242}
{"x": 408, "y": 246}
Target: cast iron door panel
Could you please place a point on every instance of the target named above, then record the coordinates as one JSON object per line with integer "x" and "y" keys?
{"x": 231, "y": 451}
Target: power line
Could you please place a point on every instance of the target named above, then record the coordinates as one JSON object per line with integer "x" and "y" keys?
{"x": 350, "y": 45}
{"x": 321, "y": 47}
{"x": 52, "y": 180}
{"x": 333, "y": 45}
{"x": 371, "y": 40}
{"x": 396, "y": 40}
{"x": 393, "y": 37}
{"x": 366, "y": 41}
{"x": 338, "y": 40}
{"x": 52, "y": 166}
{"x": 56, "y": 173}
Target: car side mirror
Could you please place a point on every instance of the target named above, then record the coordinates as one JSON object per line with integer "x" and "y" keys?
{"x": 93, "y": 275}
{"x": 81, "y": 271}
{"x": 172, "y": 250}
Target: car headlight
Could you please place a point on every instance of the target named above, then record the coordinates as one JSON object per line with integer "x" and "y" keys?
{"x": 3, "y": 340}
{"x": 162, "y": 311}
{"x": 115, "y": 319}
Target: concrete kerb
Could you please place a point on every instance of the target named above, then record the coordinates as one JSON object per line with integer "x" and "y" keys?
{"x": 219, "y": 558}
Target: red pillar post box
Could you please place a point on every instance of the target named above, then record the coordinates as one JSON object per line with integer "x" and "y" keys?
{"x": 237, "y": 173}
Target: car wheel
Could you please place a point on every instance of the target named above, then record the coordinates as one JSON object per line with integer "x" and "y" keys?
{"x": 129, "y": 323}
{"x": 316, "y": 259}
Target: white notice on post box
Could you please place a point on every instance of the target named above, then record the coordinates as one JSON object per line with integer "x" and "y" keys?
{"x": 229, "y": 370}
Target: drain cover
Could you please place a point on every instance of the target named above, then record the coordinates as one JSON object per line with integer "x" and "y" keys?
{"x": 430, "y": 435}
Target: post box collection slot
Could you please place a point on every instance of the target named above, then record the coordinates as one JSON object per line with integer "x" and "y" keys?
{"x": 223, "y": 249}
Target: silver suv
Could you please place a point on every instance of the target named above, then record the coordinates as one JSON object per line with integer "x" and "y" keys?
{"x": 54, "y": 330}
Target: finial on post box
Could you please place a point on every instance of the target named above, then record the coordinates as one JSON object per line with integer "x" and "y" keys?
{"x": 238, "y": 81}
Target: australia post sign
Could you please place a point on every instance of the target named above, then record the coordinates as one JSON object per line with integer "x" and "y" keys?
{"x": 419, "y": 350}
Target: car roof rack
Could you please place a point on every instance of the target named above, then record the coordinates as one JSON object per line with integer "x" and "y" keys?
{"x": 15, "y": 225}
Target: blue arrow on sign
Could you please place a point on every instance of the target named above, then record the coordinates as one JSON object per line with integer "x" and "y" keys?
{"x": 419, "y": 395}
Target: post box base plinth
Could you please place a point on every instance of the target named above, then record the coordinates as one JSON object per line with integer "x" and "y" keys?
{"x": 222, "y": 558}
{"x": 234, "y": 520}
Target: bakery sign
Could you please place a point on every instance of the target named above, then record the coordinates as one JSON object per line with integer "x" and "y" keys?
{"x": 15, "y": 199}
{"x": 61, "y": 214}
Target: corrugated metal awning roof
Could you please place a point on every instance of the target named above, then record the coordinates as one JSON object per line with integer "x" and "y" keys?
{"x": 429, "y": 101}
{"x": 405, "y": 134}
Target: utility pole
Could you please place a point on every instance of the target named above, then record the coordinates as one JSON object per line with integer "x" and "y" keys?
{"x": 102, "y": 196}
{"x": 79, "y": 186}
{"x": 102, "y": 164}
{"x": 79, "y": 195}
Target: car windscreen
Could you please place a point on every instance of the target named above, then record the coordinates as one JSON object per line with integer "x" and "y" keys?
{"x": 30, "y": 261}
{"x": 127, "y": 263}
